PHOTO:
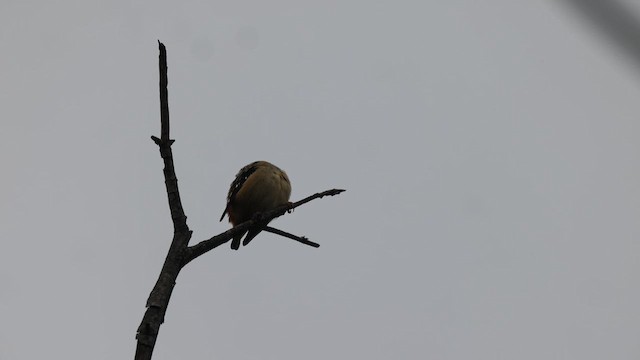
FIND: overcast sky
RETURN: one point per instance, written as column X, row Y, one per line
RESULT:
column 490, row 151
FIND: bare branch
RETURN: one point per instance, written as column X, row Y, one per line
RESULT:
column 179, row 253
column 164, row 94
column 331, row 192
column 202, row 247
column 161, row 293
column 300, row 239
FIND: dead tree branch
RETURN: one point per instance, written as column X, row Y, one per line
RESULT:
column 206, row 245
column 180, row 253
column 300, row 239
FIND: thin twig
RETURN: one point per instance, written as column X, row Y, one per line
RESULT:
column 300, row 239
column 331, row 192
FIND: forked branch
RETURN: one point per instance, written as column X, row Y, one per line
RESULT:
column 180, row 253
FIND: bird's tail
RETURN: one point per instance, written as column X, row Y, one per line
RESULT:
column 235, row 243
column 250, row 235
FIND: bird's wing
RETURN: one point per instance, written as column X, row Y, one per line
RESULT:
column 237, row 183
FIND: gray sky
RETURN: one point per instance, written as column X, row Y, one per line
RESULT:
column 490, row 151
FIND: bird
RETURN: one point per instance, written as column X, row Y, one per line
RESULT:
column 258, row 187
